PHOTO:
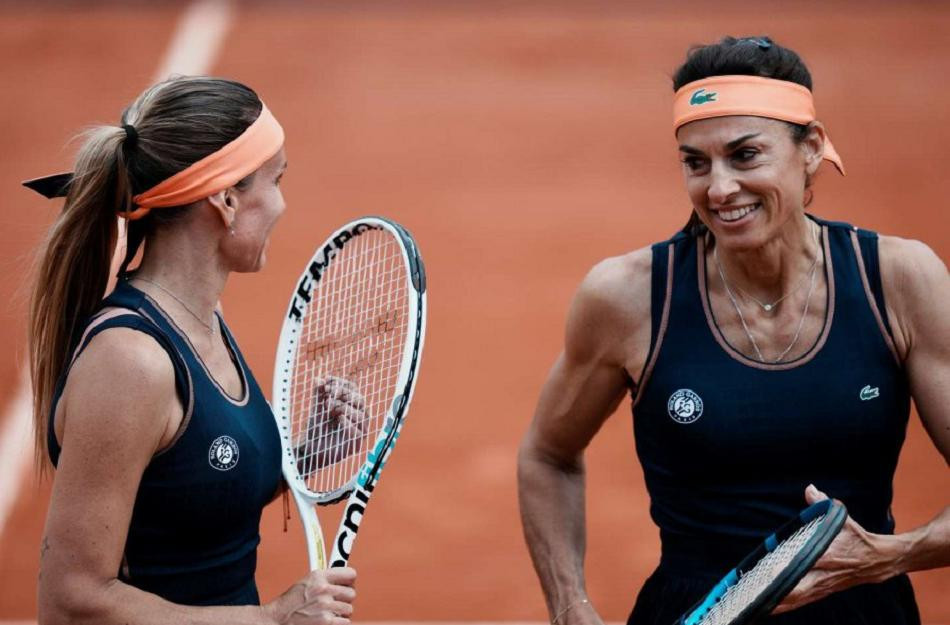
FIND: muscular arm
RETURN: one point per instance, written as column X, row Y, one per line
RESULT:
column 118, row 409
column 917, row 295
column 607, row 332
column 917, row 292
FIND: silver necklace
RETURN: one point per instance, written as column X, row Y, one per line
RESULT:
column 770, row 307
column 745, row 326
column 210, row 327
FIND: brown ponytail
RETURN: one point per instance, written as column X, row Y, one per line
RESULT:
column 177, row 122
column 74, row 264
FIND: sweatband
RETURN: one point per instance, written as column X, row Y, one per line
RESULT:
column 719, row 96
column 217, row 171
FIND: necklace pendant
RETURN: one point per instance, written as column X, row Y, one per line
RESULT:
column 767, row 307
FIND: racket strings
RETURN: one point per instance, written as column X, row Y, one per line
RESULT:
column 350, row 349
column 753, row 583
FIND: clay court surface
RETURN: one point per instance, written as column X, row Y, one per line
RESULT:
column 520, row 143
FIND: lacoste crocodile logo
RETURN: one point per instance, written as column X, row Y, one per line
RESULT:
column 702, row 98
column 869, row 392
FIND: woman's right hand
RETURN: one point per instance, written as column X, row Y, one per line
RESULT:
column 320, row 598
column 337, row 427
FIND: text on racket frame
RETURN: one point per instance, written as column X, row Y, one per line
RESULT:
column 320, row 264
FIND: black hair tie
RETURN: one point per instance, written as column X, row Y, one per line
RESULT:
column 131, row 136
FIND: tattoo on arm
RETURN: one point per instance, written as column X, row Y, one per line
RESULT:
column 44, row 547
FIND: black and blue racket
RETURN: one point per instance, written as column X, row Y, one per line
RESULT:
column 753, row 589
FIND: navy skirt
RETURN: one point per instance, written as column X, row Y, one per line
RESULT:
column 666, row 596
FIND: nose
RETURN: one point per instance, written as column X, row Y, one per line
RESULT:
column 722, row 184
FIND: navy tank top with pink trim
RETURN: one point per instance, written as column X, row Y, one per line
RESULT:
column 194, row 533
column 728, row 444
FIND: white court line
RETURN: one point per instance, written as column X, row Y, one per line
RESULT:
column 197, row 39
column 193, row 49
column 16, row 444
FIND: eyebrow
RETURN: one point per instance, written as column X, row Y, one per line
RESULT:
column 729, row 146
column 737, row 142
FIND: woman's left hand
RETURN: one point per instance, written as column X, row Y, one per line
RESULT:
column 856, row 556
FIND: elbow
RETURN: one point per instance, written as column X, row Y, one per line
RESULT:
column 72, row 599
column 534, row 455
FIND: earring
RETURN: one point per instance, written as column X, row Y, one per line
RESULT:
column 231, row 231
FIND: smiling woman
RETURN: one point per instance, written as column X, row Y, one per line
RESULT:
column 766, row 350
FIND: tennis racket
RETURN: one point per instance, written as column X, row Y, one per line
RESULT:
column 765, row 576
column 346, row 367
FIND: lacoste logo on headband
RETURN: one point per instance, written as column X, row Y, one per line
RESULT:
column 702, row 98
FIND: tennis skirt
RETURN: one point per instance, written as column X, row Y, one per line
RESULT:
column 666, row 596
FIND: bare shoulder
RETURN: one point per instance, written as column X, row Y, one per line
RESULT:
column 612, row 301
column 910, row 259
column 915, row 283
column 619, row 284
column 122, row 385
column 910, row 270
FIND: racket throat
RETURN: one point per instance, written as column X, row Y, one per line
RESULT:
column 350, row 525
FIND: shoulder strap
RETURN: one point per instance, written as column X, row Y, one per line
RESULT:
column 134, row 321
column 660, row 292
column 658, row 284
column 868, row 242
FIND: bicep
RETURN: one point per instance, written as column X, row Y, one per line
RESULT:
column 576, row 399
column 918, row 282
column 118, row 400
column 928, row 369
column 589, row 378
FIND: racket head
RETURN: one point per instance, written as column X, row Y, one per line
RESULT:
column 763, row 578
column 357, row 314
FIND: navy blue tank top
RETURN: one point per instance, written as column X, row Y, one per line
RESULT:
column 728, row 444
column 194, row 530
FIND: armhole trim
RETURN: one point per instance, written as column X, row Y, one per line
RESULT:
column 96, row 322
column 87, row 335
column 141, row 316
column 660, row 332
column 872, row 301
column 189, row 408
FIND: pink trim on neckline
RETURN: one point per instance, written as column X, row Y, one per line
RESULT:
column 737, row 355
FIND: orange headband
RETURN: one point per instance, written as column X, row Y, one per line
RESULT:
column 720, row 96
column 217, row 171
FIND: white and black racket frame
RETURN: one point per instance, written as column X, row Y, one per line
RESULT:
column 359, row 488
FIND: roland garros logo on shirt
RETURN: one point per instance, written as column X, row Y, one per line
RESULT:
column 684, row 406
column 224, row 453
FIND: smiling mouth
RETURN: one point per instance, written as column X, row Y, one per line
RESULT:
column 737, row 213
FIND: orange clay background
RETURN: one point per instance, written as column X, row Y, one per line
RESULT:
column 520, row 143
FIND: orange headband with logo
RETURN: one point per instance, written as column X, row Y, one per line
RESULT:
column 217, row 171
column 720, row 96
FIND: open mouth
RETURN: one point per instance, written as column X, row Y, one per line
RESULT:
column 736, row 214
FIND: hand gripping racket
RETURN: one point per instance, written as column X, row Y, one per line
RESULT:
column 765, row 576
column 346, row 367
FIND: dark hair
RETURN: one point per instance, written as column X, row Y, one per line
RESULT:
column 744, row 56
column 175, row 123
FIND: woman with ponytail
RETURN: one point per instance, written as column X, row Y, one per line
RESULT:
column 164, row 447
